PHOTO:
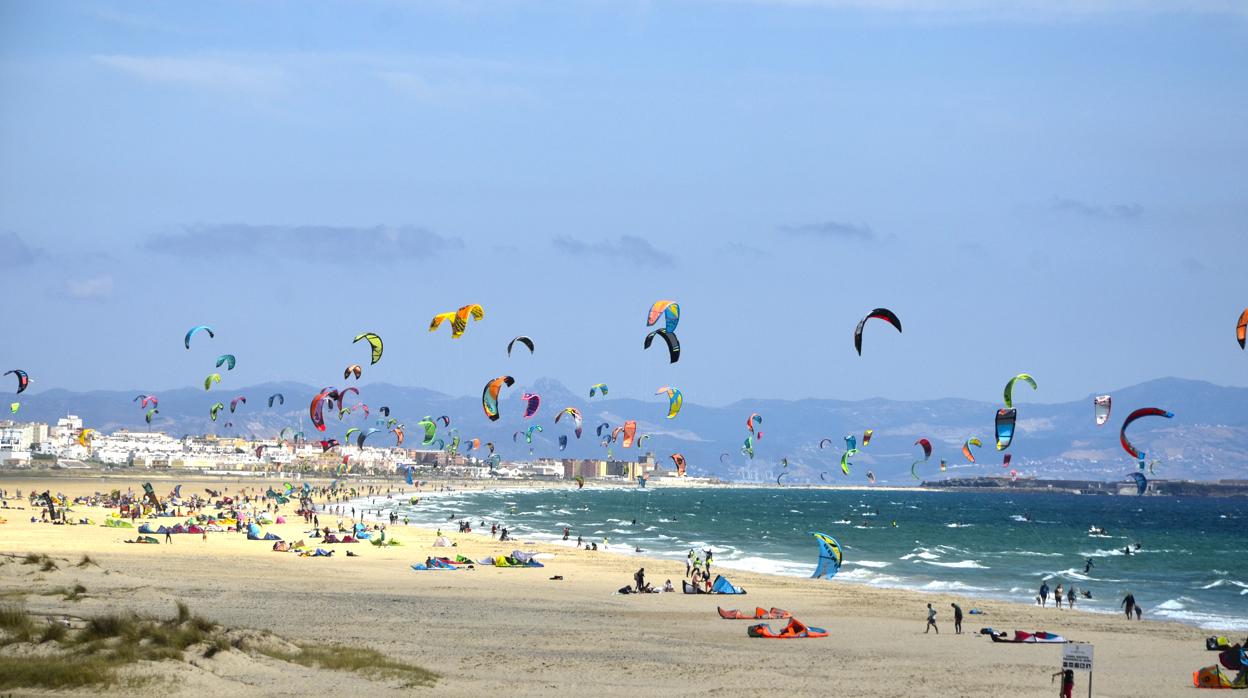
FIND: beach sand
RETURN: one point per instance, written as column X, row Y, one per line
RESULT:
column 517, row 632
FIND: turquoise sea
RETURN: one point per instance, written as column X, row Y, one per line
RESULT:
column 1192, row 564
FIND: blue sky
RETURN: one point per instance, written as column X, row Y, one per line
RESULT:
column 1050, row 187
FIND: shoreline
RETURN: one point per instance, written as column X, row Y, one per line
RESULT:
column 520, row 631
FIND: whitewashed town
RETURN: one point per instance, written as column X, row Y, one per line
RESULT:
column 70, row 444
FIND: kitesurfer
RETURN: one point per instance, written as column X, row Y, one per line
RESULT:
column 957, row 619
column 1087, row 565
column 931, row 620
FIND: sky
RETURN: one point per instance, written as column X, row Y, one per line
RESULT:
column 1050, row 187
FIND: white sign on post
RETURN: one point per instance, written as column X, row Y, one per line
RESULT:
column 1077, row 656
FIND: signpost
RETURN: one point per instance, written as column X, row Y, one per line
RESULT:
column 1077, row 656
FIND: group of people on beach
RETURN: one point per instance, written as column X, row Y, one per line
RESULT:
column 1042, row 598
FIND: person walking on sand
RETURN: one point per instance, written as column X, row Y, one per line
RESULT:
column 1044, row 594
column 1057, row 597
column 931, row 620
column 1128, row 604
column 1070, row 598
column 168, row 538
column 957, row 619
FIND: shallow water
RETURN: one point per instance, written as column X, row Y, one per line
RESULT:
column 1192, row 565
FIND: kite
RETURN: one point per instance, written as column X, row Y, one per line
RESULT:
column 629, row 430
column 398, row 435
column 523, row 340
column 1005, row 427
column 316, row 408
column 866, row 436
column 600, row 387
column 780, row 476
column 532, row 401
column 14, row 407
column 212, row 411
column 145, row 399
column 824, row 443
column 673, row 344
column 1142, row 412
column 431, row 430
column 870, row 477
column 1009, row 387
column 23, row 380
column 679, row 461
column 364, row 435
column 1241, row 329
column 85, row 436
column 1006, row 462
column 927, row 447
column 580, row 481
column 384, row 410
column 347, row 436
column 374, row 341
column 674, row 400
column 331, row 443
column 212, row 378
column 1141, row 482
column 668, row 310
column 528, row 433
column 576, row 418
column 830, row 556
column 878, row 314
column 914, row 469
column 563, row 441
column 850, row 452
column 943, row 465
column 642, row 439
column 725, row 458
column 755, row 419
column 446, row 421
column 281, row 399
column 458, row 319
column 966, row 450
column 747, row 448
column 851, row 442
column 352, row 370
column 1100, row 407
column 489, row 395
column 191, row 333
column 235, row 401
column 226, row 359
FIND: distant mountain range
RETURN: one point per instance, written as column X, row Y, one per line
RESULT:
column 1206, row 440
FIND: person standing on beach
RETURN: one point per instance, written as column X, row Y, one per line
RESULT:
column 689, row 563
column 709, row 554
column 640, row 578
column 957, row 619
column 1128, row 604
column 1070, row 598
column 931, row 620
column 1068, row 682
column 1057, row 597
column 1044, row 593
column 168, row 538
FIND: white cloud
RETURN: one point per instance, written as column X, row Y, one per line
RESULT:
column 199, row 72
column 95, row 289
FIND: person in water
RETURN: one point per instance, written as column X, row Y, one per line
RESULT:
column 1087, row 565
column 1128, row 604
column 1087, row 594
column 957, row 619
column 931, row 620
column 1126, row 550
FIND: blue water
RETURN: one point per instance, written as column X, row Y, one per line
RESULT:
column 1192, row 565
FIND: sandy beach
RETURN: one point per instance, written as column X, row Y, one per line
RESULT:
column 519, row 632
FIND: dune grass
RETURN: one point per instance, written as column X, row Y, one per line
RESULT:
column 92, row 654
column 360, row 660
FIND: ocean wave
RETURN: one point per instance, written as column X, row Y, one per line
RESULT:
column 951, row 586
column 868, row 563
column 961, row 564
column 921, row 554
